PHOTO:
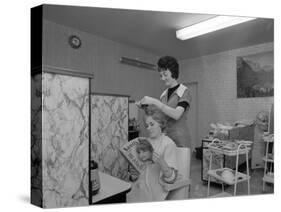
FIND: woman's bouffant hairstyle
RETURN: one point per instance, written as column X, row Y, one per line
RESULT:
column 144, row 145
column 168, row 62
column 157, row 115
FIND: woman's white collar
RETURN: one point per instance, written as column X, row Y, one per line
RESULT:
column 180, row 91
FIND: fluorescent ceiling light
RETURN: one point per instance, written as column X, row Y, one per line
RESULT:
column 210, row 25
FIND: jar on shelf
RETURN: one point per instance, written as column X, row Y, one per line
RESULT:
column 95, row 179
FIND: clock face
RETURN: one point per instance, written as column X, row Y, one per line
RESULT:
column 74, row 41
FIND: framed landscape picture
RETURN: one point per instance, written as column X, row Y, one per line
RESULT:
column 255, row 75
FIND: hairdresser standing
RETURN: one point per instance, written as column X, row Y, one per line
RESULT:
column 174, row 102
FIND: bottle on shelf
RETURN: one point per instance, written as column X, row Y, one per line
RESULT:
column 95, row 180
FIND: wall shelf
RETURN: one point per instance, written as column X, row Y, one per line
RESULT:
column 268, row 159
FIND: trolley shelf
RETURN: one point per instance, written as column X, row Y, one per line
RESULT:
column 229, row 148
column 267, row 159
column 216, row 173
column 268, row 138
column 268, row 178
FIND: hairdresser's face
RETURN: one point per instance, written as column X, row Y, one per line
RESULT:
column 166, row 77
column 144, row 155
column 153, row 127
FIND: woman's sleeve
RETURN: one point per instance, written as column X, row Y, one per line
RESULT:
column 170, row 156
column 186, row 97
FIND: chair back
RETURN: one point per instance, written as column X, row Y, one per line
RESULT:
column 183, row 159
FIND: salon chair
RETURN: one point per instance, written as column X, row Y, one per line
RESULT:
column 181, row 188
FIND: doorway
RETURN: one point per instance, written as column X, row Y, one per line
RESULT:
column 192, row 117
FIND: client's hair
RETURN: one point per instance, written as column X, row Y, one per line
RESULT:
column 156, row 115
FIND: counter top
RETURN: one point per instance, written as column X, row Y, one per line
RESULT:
column 110, row 186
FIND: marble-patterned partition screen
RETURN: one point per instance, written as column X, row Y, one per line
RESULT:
column 109, row 131
column 36, row 140
column 65, row 140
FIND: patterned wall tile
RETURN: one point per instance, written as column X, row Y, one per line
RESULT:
column 65, row 140
column 36, row 140
column 109, row 131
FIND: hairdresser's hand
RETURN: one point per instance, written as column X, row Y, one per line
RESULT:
column 138, row 104
column 147, row 100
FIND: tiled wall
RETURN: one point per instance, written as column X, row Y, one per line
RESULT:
column 36, row 140
column 65, row 140
column 60, row 138
column 109, row 131
column 217, row 97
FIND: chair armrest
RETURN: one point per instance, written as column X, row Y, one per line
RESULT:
column 178, row 184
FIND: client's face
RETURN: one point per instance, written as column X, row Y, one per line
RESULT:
column 144, row 155
column 153, row 127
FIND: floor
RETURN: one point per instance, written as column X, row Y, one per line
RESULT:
column 199, row 188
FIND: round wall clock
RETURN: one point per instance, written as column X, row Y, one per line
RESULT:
column 74, row 41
